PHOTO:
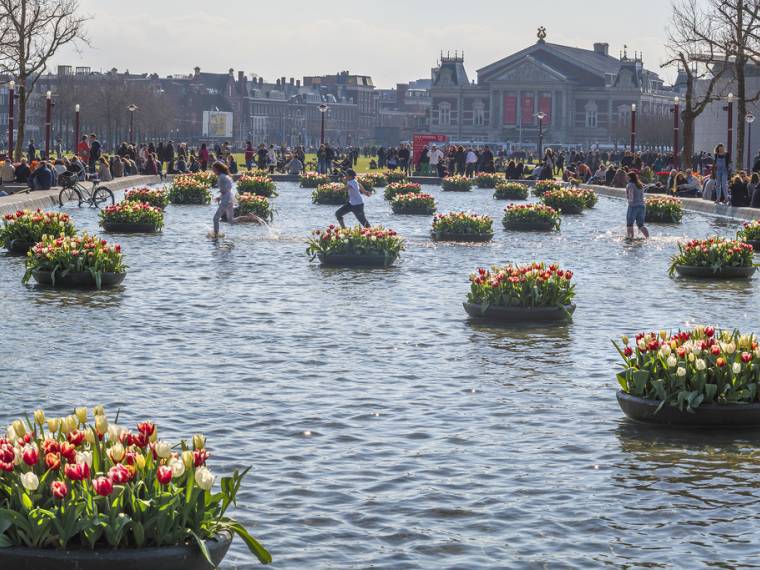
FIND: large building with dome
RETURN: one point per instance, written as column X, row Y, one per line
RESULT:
column 585, row 95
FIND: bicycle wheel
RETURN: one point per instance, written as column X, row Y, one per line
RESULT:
column 101, row 196
column 69, row 195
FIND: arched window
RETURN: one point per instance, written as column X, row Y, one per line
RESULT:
column 444, row 113
column 591, row 115
column 478, row 113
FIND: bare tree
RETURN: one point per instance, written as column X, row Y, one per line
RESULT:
column 32, row 31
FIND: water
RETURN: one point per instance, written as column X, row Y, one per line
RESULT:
column 385, row 430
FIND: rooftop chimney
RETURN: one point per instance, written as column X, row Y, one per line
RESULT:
column 602, row 49
column 261, row 81
column 231, row 72
column 292, row 81
column 241, row 76
column 298, row 82
column 278, row 83
column 197, row 72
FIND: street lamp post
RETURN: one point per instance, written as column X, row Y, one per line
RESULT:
column 323, row 110
column 676, row 128
column 132, row 108
column 541, row 116
column 48, row 119
column 633, row 127
column 76, row 128
column 749, row 118
column 730, row 109
column 11, row 96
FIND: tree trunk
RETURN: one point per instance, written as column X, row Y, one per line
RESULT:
column 742, row 112
column 21, row 119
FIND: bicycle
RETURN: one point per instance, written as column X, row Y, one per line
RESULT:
column 75, row 191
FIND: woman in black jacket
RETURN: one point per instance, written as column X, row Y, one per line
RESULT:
column 739, row 194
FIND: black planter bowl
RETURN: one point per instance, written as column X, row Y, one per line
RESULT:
column 530, row 226
column 356, row 260
column 80, row 280
column 19, row 247
column 415, row 212
column 466, row 238
column 654, row 219
column 456, row 189
column 707, row 415
column 157, row 558
column 520, row 314
column 571, row 210
column 722, row 273
column 117, row 228
column 330, row 202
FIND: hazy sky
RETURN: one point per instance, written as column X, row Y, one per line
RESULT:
column 391, row 40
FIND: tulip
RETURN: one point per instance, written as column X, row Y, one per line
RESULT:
column 164, row 474
column 146, row 428
column 628, row 351
column 39, row 417
column 204, row 478
column 98, row 411
column 75, row 437
column 59, row 489
column 672, row 361
column 102, row 486
column 85, row 457
column 18, row 427
column 746, row 357
column 140, row 461
column 663, row 334
column 54, row 424
column 200, row 457
column 6, row 466
column 715, row 350
column 737, row 368
column 117, row 452
column 163, row 450
column 101, row 425
column 721, row 362
column 76, row 471
column 68, row 451
column 119, row 474
column 31, row 455
column 701, row 364
column 81, row 414
column 90, row 436
column 177, row 467
column 188, row 459
column 11, row 434
column 199, row 441
column 52, row 461
column 681, row 372
column 30, row 481
column 709, row 331
column 114, row 432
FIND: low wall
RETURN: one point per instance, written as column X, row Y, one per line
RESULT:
column 45, row 199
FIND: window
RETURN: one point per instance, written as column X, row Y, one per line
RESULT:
column 591, row 115
column 478, row 113
column 444, row 114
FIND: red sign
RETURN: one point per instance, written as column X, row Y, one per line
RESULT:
column 526, row 115
column 510, row 109
column 545, row 107
column 419, row 142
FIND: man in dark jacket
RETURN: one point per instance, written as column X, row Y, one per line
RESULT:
column 31, row 151
column 95, row 152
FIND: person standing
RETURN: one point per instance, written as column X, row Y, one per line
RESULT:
column 203, row 156
column 637, row 209
column 471, row 160
column 355, row 202
column 436, row 161
column 225, row 199
column 95, row 151
column 31, row 151
column 249, row 154
column 720, row 170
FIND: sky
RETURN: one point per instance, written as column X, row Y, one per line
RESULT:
column 393, row 41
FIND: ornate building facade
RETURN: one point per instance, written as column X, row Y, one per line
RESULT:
column 585, row 97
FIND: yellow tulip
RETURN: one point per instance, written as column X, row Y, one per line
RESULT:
column 39, row 417
column 101, row 424
column 81, row 414
column 54, row 424
column 18, row 427
column 199, row 441
column 98, row 411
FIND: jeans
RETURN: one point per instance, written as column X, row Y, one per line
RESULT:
column 721, row 186
column 356, row 209
column 227, row 210
column 636, row 214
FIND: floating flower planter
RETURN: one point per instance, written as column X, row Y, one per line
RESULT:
column 331, row 194
column 85, row 261
column 714, row 258
column 398, row 188
column 487, row 179
column 255, row 204
column 22, row 229
column 699, row 377
column 82, row 493
column 664, row 210
column 565, row 201
column 372, row 180
column 260, row 185
column 132, row 218
column 531, row 218
column 589, row 197
column 456, row 184
column 186, row 190
column 392, row 176
column 314, row 179
column 352, row 247
column 511, row 191
column 463, row 227
column 153, row 197
column 414, row 204
column 543, row 186
column 750, row 233
column 206, row 178
column 529, row 293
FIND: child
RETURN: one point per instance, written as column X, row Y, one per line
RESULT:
column 355, row 201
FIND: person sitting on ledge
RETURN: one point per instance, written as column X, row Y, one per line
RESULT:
column 22, row 172
column 739, row 193
column 753, row 188
column 7, row 172
column 180, row 166
column 621, row 179
column 295, row 166
column 41, row 178
column 687, row 186
column 194, row 165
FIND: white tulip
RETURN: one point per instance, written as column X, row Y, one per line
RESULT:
column 85, row 457
column 163, row 449
column 701, row 364
column 665, row 350
column 737, row 368
column 117, row 452
column 681, row 372
column 114, row 432
column 672, row 361
column 178, row 467
column 30, row 481
column 11, row 434
column 204, row 478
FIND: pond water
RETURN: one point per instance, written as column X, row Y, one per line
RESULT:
column 386, row 430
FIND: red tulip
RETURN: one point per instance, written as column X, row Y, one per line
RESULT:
column 102, row 486
column 31, row 455
column 68, row 451
column 200, row 456
column 746, row 357
column 709, row 332
column 628, row 351
column 75, row 437
column 7, row 454
column 51, row 446
column 59, row 489
column 146, row 428
column 721, row 362
column 119, row 474
column 164, row 474
column 76, row 471
column 52, row 461
column 715, row 350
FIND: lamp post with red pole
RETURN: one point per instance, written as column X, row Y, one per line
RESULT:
column 48, row 119
column 633, row 127
column 749, row 119
column 323, row 109
column 76, row 128
column 676, row 129
column 11, row 101
column 730, row 109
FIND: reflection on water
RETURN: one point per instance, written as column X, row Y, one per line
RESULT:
column 387, row 429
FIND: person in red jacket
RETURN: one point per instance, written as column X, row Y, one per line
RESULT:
column 83, row 150
column 250, row 153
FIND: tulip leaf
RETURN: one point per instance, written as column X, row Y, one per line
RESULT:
column 253, row 545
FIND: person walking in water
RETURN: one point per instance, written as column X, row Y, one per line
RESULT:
column 226, row 199
column 637, row 209
column 720, row 171
column 355, row 202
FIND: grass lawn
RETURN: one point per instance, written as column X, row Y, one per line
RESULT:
column 362, row 165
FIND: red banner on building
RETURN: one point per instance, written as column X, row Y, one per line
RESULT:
column 526, row 114
column 510, row 110
column 419, row 142
column 545, row 107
